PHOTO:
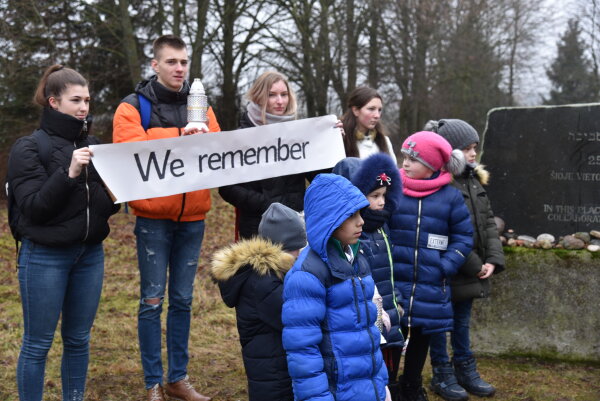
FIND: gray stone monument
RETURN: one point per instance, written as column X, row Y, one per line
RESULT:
column 545, row 167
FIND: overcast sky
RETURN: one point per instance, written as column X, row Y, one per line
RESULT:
column 536, row 83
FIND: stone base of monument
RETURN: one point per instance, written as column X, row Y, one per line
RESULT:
column 544, row 304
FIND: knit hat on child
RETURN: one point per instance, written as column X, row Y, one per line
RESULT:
column 284, row 226
column 458, row 133
column 376, row 171
column 434, row 152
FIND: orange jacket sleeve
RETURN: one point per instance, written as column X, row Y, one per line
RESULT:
column 127, row 124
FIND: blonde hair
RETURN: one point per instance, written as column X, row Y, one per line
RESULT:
column 259, row 92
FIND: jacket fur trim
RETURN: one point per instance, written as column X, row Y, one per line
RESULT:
column 264, row 256
column 482, row 174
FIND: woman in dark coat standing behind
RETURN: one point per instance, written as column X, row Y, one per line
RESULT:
column 63, row 212
column 272, row 100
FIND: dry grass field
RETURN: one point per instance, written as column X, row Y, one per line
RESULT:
column 216, row 368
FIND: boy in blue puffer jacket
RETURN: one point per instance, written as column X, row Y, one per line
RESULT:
column 378, row 179
column 432, row 235
column 328, row 317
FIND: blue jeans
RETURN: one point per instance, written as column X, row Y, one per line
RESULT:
column 166, row 245
column 461, row 346
column 55, row 281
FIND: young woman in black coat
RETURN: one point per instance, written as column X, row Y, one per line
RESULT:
column 63, row 211
column 271, row 100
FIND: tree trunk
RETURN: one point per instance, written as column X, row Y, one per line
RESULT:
column 129, row 43
column 228, row 100
column 373, row 65
column 199, row 44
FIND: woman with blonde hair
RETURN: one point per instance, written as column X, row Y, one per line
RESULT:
column 270, row 100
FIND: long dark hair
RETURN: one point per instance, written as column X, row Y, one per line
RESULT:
column 358, row 98
column 54, row 82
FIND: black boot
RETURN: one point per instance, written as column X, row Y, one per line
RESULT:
column 467, row 376
column 412, row 391
column 395, row 391
column 444, row 383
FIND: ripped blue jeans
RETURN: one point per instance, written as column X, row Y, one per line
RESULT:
column 166, row 250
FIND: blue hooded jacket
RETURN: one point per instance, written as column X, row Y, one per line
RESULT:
column 328, row 316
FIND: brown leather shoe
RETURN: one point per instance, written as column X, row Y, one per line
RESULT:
column 184, row 391
column 156, row 393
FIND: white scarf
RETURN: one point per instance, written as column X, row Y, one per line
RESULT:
column 255, row 115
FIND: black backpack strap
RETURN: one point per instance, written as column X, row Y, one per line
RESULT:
column 44, row 146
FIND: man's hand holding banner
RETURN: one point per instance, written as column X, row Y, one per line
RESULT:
column 162, row 167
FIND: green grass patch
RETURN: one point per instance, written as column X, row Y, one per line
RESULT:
column 216, row 366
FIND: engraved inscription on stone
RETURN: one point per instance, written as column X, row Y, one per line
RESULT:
column 545, row 167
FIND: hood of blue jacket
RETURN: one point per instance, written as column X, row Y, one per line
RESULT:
column 330, row 199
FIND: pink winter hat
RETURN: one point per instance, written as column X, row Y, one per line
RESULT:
column 428, row 148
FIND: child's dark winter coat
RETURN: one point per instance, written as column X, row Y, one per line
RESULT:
column 250, row 276
column 432, row 237
column 375, row 239
column 487, row 247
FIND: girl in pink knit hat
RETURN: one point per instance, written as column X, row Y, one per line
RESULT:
column 431, row 234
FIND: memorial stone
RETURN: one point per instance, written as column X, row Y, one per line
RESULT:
column 545, row 167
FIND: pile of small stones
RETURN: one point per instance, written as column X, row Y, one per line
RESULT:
column 581, row 240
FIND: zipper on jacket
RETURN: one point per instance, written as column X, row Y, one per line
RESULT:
column 356, row 299
column 373, row 362
column 87, row 207
column 480, row 244
column 389, row 252
column 182, row 208
column 87, row 189
column 414, row 286
column 183, row 198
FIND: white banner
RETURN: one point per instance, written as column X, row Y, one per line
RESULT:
column 150, row 169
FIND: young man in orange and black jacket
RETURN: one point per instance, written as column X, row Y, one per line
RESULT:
column 169, row 230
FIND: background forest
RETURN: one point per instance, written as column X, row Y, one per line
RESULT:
column 429, row 58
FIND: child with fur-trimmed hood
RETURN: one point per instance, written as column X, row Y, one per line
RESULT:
column 472, row 280
column 250, row 277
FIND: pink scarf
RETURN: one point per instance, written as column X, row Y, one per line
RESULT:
column 422, row 188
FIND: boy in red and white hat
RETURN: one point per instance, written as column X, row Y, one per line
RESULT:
column 432, row 234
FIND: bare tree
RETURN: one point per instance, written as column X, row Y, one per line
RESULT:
column 298, row 44
column 409, row 31
column 468, row 73
column 197, row 30
column 589, row 12
column 233, row 46
column 348, row 24
column 130, row 47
